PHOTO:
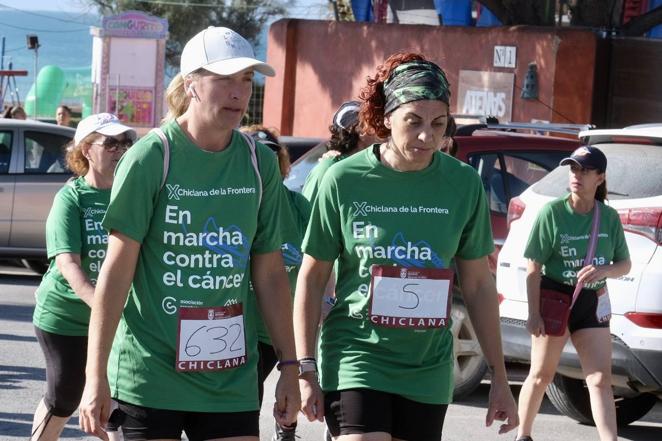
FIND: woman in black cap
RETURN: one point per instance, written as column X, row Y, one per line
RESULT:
column 567, row 229
column 346, row 139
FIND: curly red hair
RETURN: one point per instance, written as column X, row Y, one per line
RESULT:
column 371, row 115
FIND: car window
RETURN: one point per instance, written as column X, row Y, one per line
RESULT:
column 506, row 175
column 44, row 152
column 624, row 163
column 488, row 167
column 5, row 150
column 523, row 170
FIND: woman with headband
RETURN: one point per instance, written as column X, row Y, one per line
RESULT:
column 394, row 216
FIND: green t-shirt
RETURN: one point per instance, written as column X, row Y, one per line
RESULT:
column 314, row 179
column 73, row 226
column 196, row 235
column 559, row 241
column 367, row 213
column 295, row 213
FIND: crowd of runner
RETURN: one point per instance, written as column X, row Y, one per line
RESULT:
column 183, row 270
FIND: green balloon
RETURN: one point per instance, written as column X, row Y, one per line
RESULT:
column 50, row 84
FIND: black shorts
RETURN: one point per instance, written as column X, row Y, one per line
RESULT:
column 582, row 314
column 143, row 423
column 65, row 370
column 357, row 411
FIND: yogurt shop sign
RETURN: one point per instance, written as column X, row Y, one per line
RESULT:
column 486, row 93
column 135, row 24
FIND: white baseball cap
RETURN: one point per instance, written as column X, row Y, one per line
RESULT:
column 104, row 123
column 221, row 51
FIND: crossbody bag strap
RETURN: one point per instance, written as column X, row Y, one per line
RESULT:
column 590, row 252
column 166, row 153
column 251, row 146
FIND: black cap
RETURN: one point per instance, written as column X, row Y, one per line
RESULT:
column 347, row 115
column 266, row 138
column 587, row 157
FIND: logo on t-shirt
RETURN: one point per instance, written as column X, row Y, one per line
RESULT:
column 359, row 208
column 363, row 209
column 91, row 211
column 172, row 191
column 176, row 192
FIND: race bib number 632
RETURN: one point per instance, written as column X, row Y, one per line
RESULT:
column 211, row 339
column 410, row 297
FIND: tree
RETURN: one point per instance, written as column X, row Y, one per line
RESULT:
column 186, row 18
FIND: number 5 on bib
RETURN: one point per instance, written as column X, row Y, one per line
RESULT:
column 416, row 298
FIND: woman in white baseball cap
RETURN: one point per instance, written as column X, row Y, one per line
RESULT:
column 194, row 217
column 76, row 246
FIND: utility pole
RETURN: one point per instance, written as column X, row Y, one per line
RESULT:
column 33, row 44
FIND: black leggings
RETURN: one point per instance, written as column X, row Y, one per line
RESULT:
column 65, row 371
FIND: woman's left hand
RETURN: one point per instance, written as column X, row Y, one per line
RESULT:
column 591, row 273
column 501, row 406
column 288, row 398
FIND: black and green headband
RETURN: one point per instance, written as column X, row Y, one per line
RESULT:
column 414, row 81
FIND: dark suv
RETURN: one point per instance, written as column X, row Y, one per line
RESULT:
column 508, row 162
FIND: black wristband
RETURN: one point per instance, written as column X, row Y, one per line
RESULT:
column 284, row 363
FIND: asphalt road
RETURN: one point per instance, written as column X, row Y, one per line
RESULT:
column 22, row 379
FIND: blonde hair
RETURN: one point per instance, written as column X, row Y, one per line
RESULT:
column 76, row 161
column 176, row 98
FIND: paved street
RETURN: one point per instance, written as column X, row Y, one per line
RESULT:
column 22, row 380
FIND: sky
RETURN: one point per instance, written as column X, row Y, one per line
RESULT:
column 46, row 5
column 302, row 8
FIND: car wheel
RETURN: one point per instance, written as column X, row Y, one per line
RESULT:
column 37, row 265
column 469, row 364
column 570, row 397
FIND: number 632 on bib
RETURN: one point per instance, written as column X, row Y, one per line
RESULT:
column 211, row 339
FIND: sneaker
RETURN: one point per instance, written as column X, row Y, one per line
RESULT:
column 284, row 433
column 524, row 438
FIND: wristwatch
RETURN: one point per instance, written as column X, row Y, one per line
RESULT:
column 307, row 366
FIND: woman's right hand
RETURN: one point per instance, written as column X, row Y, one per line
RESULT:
column 535, row 325
column 95, row 407
column 312, row 397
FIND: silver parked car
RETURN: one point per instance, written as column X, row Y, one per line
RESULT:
column 32, row 170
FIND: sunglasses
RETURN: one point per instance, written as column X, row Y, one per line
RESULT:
column 113, row 145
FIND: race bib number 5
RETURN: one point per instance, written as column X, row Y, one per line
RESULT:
column 410, row 297
column 211, row 339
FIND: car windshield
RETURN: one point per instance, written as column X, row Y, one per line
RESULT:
column 303, row 166
column 625, row 162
